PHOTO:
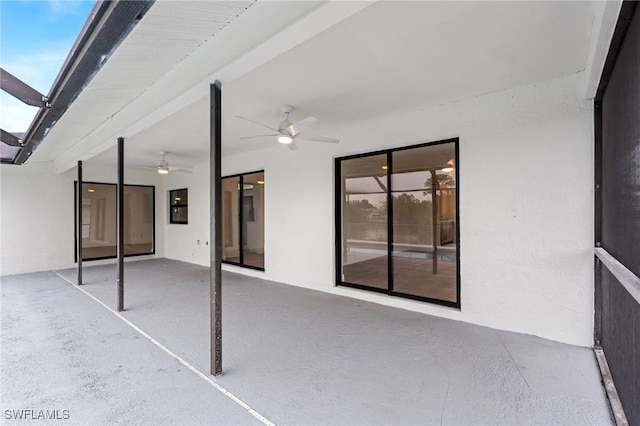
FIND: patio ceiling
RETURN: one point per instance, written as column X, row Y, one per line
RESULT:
column 342, row 62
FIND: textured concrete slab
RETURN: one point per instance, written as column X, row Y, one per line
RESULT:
column 64, row 355
column 304, row 357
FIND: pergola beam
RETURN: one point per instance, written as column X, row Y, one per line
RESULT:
column 9, row 138
column 21, row 90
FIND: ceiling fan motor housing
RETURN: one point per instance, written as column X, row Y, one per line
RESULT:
column 286, row 110
column 283, row 125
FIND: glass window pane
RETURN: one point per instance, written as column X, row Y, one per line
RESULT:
column 178, row 206
column 138, row 229
column 179, row 197
column 98, row 220
column 424, row 222
column 179, row 215
column 364, row 221
column 230, row 213
column 253, row 220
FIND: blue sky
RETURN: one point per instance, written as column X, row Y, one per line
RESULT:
column 35, row 38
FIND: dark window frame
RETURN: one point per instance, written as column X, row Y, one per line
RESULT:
column 75, row 221
column 338, row 224
column 240, row 218
column 185, row 205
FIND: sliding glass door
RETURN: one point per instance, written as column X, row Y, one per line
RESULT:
column 397, row 222
column 243, row 220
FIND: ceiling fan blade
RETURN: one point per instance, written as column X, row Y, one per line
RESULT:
column 255, row 122
column 144, row 167
column 292, row 146
column 259, row 136
column 297, row 127
column 178, row 169
column 304, row 136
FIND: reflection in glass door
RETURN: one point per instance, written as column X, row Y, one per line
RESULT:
column 364, row 221
column 424, row 218
column 400, row 205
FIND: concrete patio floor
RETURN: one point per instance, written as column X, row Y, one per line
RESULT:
column 295, row 356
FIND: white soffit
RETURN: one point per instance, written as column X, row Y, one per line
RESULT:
column 262, row 32
column 168, row 33
column 376, row 60
column 389, row 57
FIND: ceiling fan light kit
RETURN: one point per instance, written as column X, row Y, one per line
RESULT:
column 285, row 139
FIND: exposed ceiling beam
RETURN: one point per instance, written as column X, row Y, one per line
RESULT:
column 226, row 63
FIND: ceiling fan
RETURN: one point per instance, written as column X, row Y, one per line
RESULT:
column 288, row 133
column 163, row 166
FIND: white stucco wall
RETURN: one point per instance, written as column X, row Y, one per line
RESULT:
column 37, row 217
column 526, row 207
column 188, row 242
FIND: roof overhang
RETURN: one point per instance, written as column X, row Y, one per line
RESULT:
column 107, row 26
column 340, row 61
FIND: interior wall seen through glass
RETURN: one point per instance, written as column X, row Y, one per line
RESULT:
column 99, row 225
column 243, row 220
column 230, row 219
column 253, row 220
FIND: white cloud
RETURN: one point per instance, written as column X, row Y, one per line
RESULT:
column 16, row 116
column 63, row 7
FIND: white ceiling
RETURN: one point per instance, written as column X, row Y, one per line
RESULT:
column 387, row 57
